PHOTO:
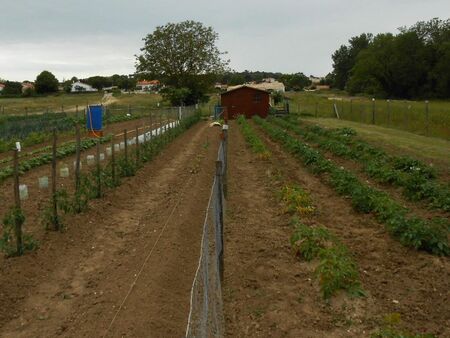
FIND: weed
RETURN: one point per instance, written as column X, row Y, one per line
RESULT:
column 391, row 329
column 296, row 200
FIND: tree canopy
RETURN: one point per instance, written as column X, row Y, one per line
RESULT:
column 46, row 82
column 182, row 55
column 414, row 63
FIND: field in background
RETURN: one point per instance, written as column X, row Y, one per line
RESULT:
column 68, row 102
column 432, row 119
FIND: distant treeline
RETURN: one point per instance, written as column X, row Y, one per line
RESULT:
column 296, row 81
column 415, row 63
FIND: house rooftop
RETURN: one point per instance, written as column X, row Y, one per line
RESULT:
column 231, row 89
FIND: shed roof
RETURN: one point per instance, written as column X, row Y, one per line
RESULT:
column 245, row 86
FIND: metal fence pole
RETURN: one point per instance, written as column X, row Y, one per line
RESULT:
column 219, row 166
column 427, row 118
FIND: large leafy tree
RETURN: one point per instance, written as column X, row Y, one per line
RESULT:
column 46, row 82
column 12, row 88
column 182, row 56
column 345, row 58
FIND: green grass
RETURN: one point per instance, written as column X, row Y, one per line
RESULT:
column 399, row 114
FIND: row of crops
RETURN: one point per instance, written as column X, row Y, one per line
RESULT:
column 87, row 186
column 412, row 231
column 35, row 129
column 417, row 179
column 336, row 269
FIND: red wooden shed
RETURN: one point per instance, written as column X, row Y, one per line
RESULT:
column 246, row 100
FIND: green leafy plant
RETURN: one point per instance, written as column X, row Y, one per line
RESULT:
column 8, row 241
column 307, row 242
column 252, row 139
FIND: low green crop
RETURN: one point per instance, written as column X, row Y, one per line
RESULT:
column 416, row 178
column 257, row 146
column 412, row 231
column 336, row 270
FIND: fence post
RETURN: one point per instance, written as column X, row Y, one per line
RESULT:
column 76, row 112
column 99, row 180
column 137, row 146
column 220, row 202
column 77, row 161
column 373, row 110
column 126, row 145
column 54, row 197
column 316, row 109
column 17, row 224
column 389, row 112
column 151, row 126
column 225, row 156
column 351, row 109
column 113, row 161
column 427, row 118
column 26, row 111
column 160, row 124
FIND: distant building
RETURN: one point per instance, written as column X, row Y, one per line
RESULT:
column 80, row 87
column 315, row 80
column 110, row 89
column 2, row 86
column 27, row 85
column 273, row 86
column 221, row 86
column 147, row 86
column 322, row 87
column 245, row 100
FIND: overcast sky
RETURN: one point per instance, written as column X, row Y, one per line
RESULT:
column 100, row 37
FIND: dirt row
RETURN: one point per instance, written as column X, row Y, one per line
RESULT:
column 269, row 293
column 145, row 233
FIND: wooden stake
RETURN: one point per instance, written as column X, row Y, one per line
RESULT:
column 113, row 162
column 18, row 225
column 99, row 180
column 54, row 197
column 126, row 144
column 137, row 146
column 77, row 160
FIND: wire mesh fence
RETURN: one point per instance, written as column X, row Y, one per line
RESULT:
column 429, row 118
column 206, row 310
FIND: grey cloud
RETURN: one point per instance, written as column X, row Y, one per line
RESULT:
column 101, row 36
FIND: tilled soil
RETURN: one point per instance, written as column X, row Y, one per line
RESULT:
column 269, row 293
column 125, row 267
column 39, row 199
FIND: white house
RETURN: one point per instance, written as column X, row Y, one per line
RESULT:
column 78, row 87
column 147, row 86
column 2, row 86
